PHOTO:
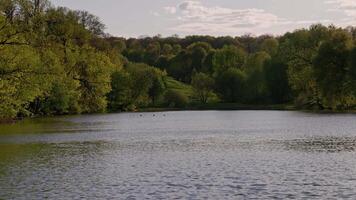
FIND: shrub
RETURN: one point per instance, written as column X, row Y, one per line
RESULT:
column 176, row 99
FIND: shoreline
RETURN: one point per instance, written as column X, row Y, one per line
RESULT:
column 207, row 107
column 221, row 106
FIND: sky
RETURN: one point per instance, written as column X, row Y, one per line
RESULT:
column 137, row 18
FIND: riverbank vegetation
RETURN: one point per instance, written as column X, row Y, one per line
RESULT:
column 56, row 61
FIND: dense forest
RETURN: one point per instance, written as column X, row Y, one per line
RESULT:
column 56, row 61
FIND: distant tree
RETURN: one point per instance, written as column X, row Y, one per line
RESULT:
column 270, row 46
column 120, row 97
column 167, row 49
column 158, row 87
column 276, row 78
column 228, row 57
column 174, row 98
column 331, row 69
column 256, row 78
column 297, row 50
column 91, row 22
column 203, row 86
column 153, row 51
column 231, row 85
column 181, row 67
column 198, row 51
column 208, row 67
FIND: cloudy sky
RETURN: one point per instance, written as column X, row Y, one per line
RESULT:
column 134, row 18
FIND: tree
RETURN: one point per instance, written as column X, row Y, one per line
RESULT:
column 137, row 85
column 208, row 67
column 167, row 49
column 228, row 57
column 180, row 67
column 276, row 78
column 21, row 79
column 90, row 22
column 153, row 51
column 121, row 97
column 174, row 98
column 297, row 51
column 158, row 87
column 203, row 86
column 256, row 79
column 198, row 51
column 270, row 46
column 230, row 84
column 62, row 98
column 331, row 69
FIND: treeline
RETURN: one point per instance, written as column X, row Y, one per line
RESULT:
column 313, row 68
column 58, row 61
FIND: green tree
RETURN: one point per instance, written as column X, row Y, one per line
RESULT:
column 93, row 71
column 22, row 79
column 276, row 78
column 120, row 97
column 331, row 69
column 228, row 57
column 298, row 50
column 256, row 79
column 270, row 46
column 158, row 87
column 203, row 86
column 231, row 85
column 176, row 99
column 181, row 67
column 198, row 51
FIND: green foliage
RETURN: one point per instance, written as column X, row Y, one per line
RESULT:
column 63, row 98
column 270, row 46
column 231, row 85
column 21, row 79
column 172, row 84
column 176, row 99
column 93, row 70
column 157, row 89
column 331, row 69
column 181, row 67
column 203, row 86
column 276, row 78
column 298, row 50
column 256, row 79
column 228, row 57
column 55, row 61
column 121, row 97
column 47, row 64
column 139, row 85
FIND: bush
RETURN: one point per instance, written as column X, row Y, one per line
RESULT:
column 176, row 99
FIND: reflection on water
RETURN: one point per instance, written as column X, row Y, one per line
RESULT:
column 323, row 144
column 182, row 155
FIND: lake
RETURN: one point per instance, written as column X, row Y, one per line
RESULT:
column 181, row 155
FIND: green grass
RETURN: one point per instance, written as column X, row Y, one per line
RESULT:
column 173, row 84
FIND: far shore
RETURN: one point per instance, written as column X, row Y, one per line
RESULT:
column 205, row 107
column 219, row 106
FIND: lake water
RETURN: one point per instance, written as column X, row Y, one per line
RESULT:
column 181, row 155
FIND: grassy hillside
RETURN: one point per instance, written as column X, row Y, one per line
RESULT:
column 173, row 84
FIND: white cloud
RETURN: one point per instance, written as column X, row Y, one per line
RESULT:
column 170, row 9
column 346, row 6
column 195, row 17
column 156, row 14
